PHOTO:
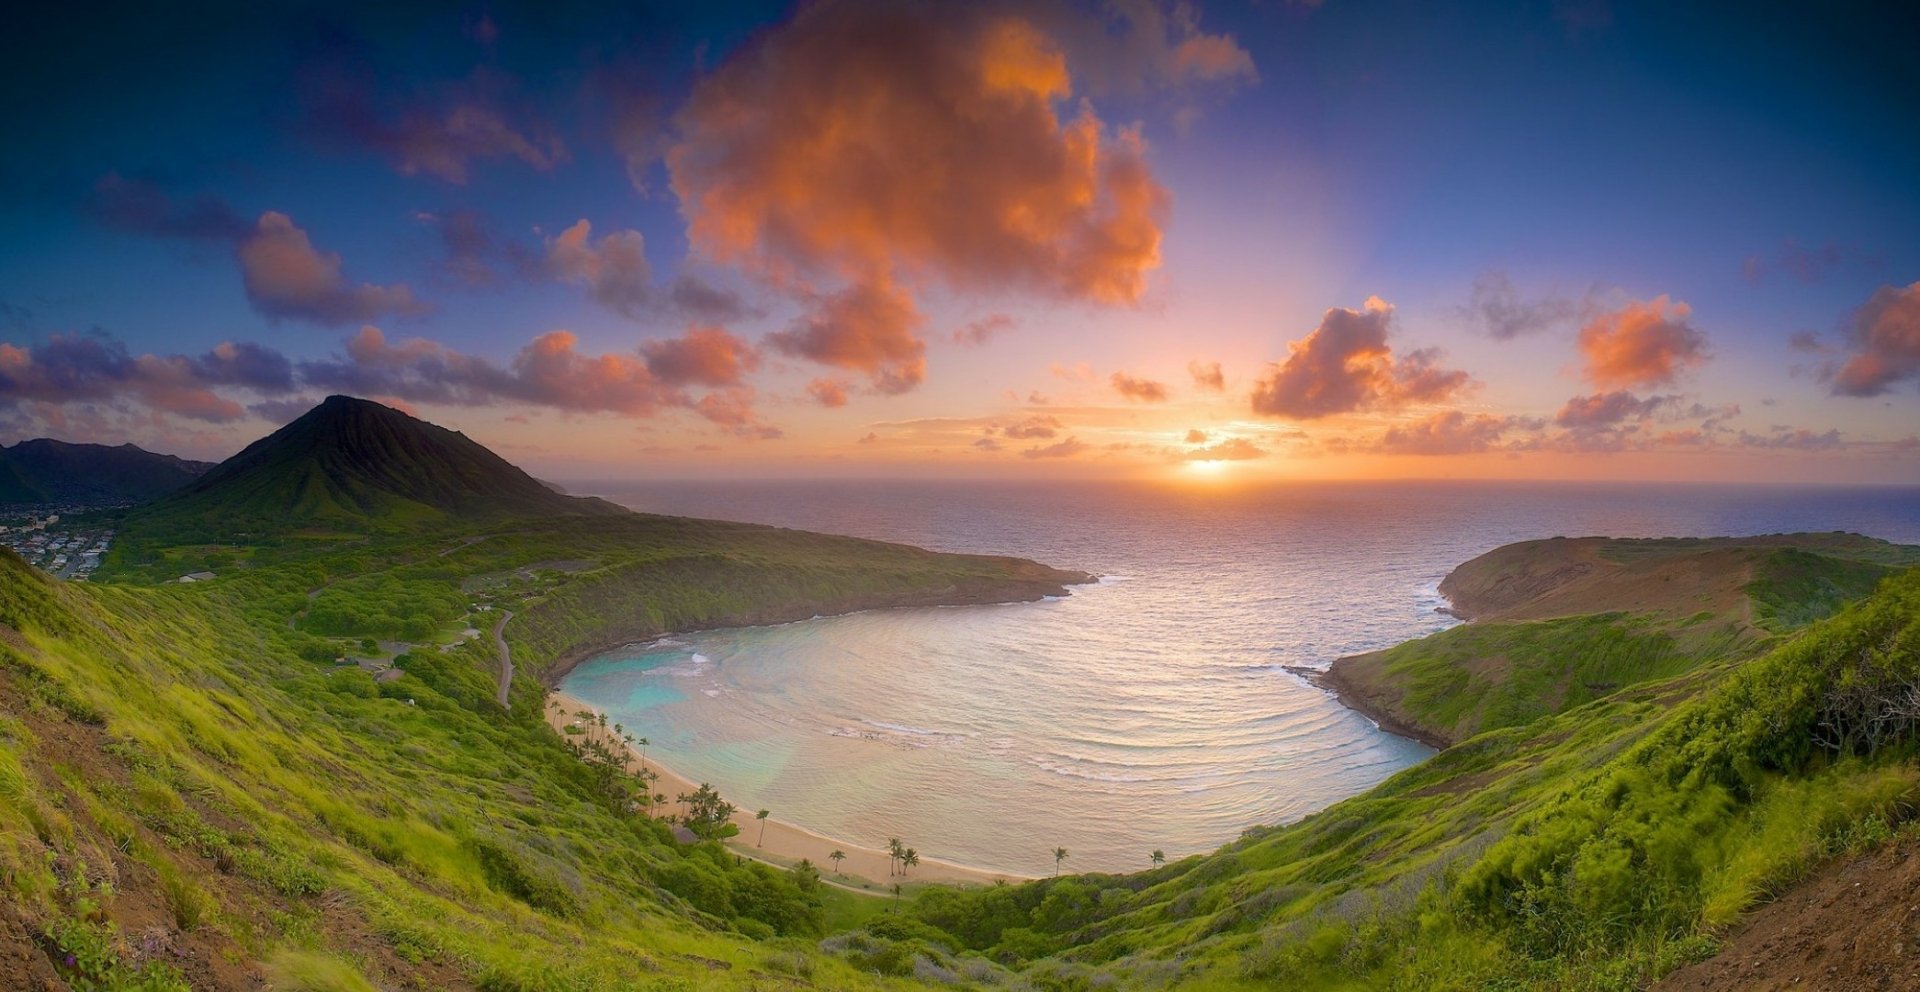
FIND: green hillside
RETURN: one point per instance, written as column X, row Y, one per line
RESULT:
column 299, row 775
column 353, row 466
column 1566, row 622
column 179, row 768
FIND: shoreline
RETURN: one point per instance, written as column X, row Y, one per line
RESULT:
column 864, row 867
column 551, row 675
column 1328, row 680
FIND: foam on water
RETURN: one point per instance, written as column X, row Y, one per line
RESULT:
column 1152, row 709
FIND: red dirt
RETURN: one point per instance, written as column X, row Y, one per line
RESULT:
column 1854, row 926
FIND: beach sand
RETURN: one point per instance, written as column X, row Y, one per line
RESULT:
column 784, row 843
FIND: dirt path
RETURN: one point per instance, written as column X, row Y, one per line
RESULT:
column 1854, row 925
column 506, row 657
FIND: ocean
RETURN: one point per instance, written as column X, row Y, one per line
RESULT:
column 1150, row 711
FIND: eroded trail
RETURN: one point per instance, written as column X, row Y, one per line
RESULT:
column 1852, row 925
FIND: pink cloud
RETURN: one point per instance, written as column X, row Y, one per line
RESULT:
column 1883, row 337
column 1346, row 365
column 286, row 277
column 1645, row 343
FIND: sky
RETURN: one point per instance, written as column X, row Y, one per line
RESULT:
column 1565, row 239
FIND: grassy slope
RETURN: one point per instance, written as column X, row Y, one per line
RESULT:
column 177, row 782
column 245, row 801
column 1566, row 622
column 1592, row 849
column 346, row 466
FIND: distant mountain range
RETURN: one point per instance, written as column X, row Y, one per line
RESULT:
column 355, row 465
column 48, row 471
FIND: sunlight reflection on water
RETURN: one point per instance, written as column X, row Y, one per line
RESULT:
column 1149, row 711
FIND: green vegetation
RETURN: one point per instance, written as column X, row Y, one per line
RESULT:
column 346, row 467
column 1793, row 588
column 1572, row 621
column 165, row 736
column 196, row 793
column 1488, row 676
column 1594, row 849
column 279, row 809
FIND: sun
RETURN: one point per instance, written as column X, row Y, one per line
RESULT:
column 1206, row 468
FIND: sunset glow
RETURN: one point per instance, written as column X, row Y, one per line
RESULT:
column 990, row 240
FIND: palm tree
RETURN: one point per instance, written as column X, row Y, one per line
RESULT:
column 1059, row 855
column 896, row 892
column 762, row 817
column 1159, row 856
column 836, row 857
column 893, row 853
column 908, row 859
column 643, row 742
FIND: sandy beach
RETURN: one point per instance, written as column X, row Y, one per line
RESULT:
column 784, row 843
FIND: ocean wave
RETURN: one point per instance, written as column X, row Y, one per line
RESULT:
column 901, row 728
column 1070, row 771
column 695, row 665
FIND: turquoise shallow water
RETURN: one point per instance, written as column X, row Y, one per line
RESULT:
column 1149, row 711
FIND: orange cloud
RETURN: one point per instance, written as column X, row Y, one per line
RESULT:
column 1065, row 449
column 883, row 148
column 1449, row 432
column 1885, row 338
column 1609, row 409
column 1196, row 436
column 1207, row 376
column 1032, row 428
column 286, row 277
column 87, row 369
column 1645, row 343
column 1346, row 365
column 868, row 327
column 827, row 392
column 1139, row 390
column 983, row 330
column 549, row 371
column 1231, row 450
column 706, row 355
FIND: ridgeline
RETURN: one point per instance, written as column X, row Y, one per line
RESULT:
column 48, row 471
column 297, row 774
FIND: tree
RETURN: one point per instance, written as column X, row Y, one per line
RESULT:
column 762, row 817
column 908, row 859
column 806, row 876
column 707, row 813
column 893, row 853
column 1159, row 856
column 1059, row 855
column 836, row 857
column 643, row 742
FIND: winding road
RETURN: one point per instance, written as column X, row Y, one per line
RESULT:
column 506, row 657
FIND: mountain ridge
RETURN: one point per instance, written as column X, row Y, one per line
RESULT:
column 46, row 470
column 351, row 464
